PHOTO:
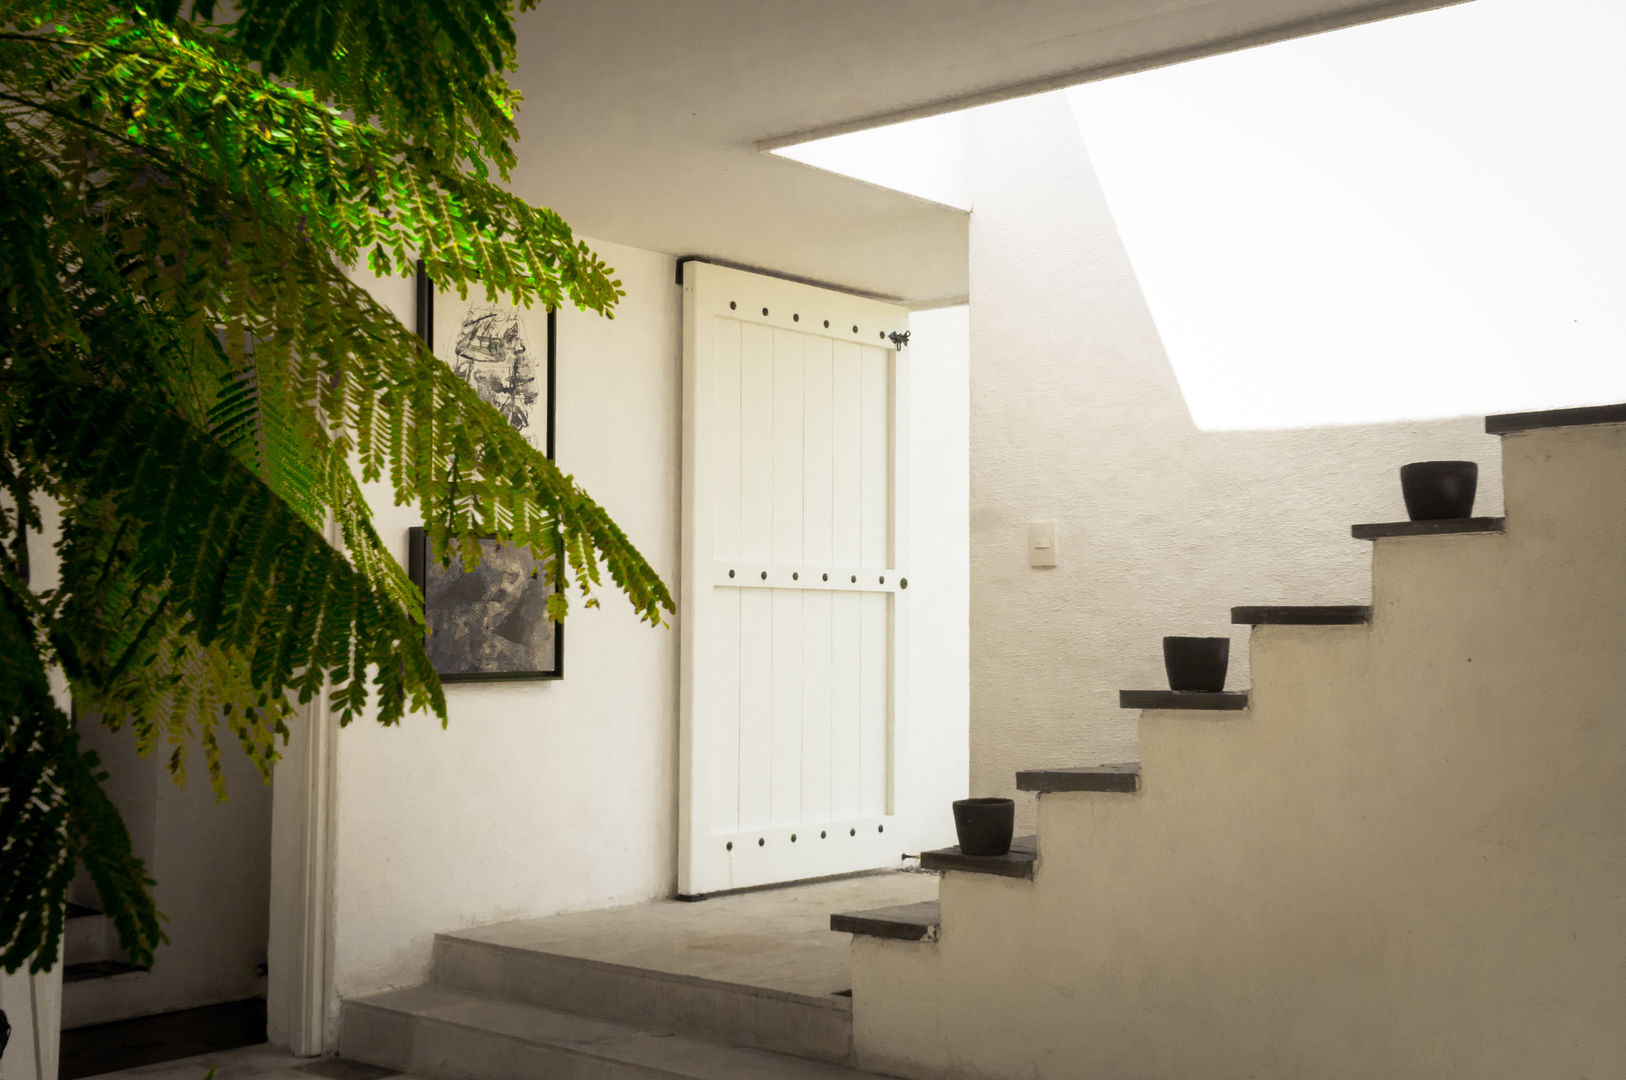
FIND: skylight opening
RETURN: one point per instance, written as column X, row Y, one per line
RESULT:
column 929, row 158
column 1410, row 219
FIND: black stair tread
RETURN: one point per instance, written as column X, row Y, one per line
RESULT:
column 1302, row 615
column 1122, row 777
column 1378, row 530
column 1222, row 700
column 98, row 969
column 1506, row 423
column 901, row 922
column 1017, row 863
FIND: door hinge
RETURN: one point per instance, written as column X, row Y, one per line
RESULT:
column 899, row 340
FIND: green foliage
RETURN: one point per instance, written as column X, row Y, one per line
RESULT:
column 193, row 385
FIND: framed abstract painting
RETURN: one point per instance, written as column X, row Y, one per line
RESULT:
column 490, row 623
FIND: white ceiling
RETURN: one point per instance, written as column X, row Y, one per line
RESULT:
column 645, row 121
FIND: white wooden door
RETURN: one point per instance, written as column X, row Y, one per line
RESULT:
column 794, row 609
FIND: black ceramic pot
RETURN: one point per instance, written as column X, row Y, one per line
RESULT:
column 984, row 825
column 1439, row 489
column 1196, row 663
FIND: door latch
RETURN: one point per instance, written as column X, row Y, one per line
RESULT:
column 899, row 340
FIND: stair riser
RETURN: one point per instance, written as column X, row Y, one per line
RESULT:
column 1550, row 486
column 450, row 1052
column 811, row 1029
column 87, row 939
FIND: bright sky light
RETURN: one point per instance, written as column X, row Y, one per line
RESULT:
column 928, row 158
column 1417, row 218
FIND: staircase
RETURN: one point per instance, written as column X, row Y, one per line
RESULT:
column 735, row 988
column 1401, row 853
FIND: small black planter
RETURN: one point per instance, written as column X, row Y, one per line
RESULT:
column 1196, row 663
column 984, row 825
column 1439, row 489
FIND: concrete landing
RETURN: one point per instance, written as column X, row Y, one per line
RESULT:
column 772, row 939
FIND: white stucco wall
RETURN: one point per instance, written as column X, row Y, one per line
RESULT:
column 553, row 796
column 1077, row 418
column 939, row 586
column 540, row 796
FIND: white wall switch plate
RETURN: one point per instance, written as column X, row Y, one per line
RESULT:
column 1042, row 543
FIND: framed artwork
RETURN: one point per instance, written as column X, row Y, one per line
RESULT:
column 490, row 623
column 506, row 353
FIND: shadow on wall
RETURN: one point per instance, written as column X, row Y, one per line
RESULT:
column 1078, row 419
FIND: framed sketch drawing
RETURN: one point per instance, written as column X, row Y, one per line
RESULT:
column 489, row 623
column 506, row 353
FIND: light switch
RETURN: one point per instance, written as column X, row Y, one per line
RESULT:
column 1042, row 543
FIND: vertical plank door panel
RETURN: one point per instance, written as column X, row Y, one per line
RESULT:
column 817, row 693
column 818, row 455
column 847, row 413
column 787, row 448
column 756, row 708
column 875, row 679
column 786, row 782
column 875, row 449
column 756, row 443
column 725, row 713
column 846, row 706
column 725, row 430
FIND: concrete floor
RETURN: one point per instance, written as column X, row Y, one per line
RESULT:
column 263, row 1062
column 776, row 939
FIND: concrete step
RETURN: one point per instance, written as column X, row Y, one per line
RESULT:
column 446, row 1034
column 817, row 1026
column 88, row 937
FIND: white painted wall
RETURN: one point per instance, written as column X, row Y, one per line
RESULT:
column 212, row 864
column 1077, row 418
column 939, row 584
column 1405, row 859
column 548, row 797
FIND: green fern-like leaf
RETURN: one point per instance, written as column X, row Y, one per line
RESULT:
column 191, row 379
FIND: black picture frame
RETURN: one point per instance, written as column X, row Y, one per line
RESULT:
column 540, row 429
column 485, row 624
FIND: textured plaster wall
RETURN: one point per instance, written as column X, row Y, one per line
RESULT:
column 1076, row 418
column 540, row 796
